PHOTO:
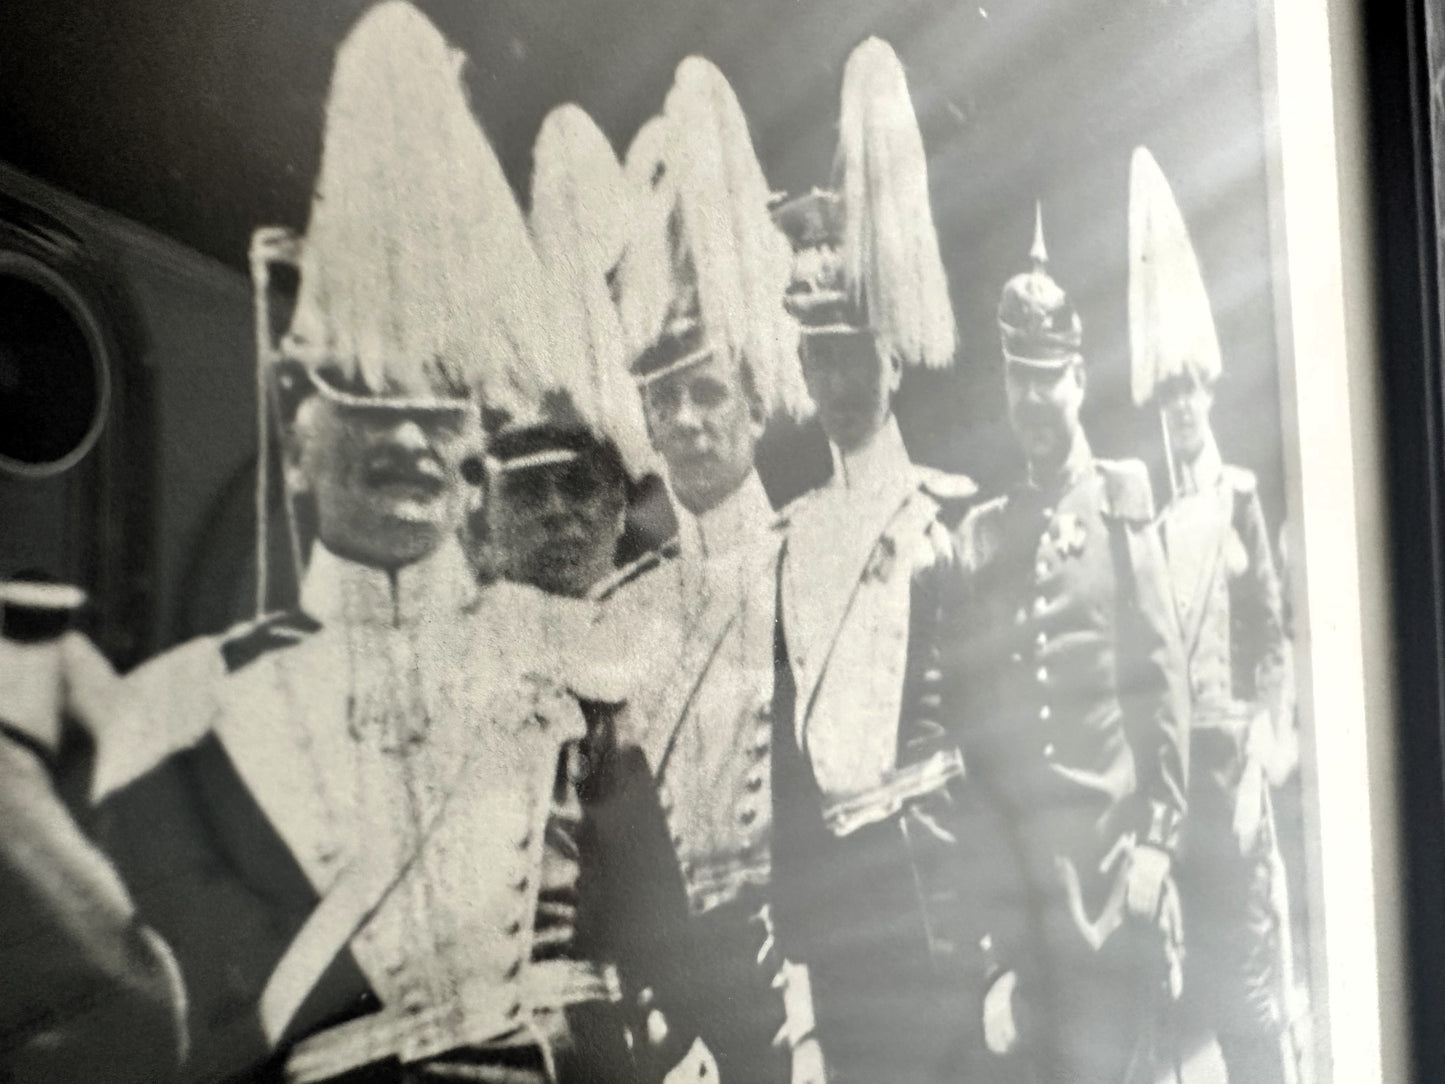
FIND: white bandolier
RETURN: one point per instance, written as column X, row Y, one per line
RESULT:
column 700, row 292
column 868, row 871
column 1238, row 970
column 383, row 830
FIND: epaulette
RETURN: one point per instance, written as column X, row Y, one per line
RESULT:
column 606, row 587
column 1242, row 481
column 1127, row 492
column 981, row 533
column 247, row 643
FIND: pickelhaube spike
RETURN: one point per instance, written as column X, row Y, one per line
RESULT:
column 1037, row 321
column 1039, row 254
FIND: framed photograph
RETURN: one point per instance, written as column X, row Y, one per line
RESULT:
column 763, row 543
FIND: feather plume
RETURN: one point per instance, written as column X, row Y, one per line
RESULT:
column 1171, row 327
column 579, row 218
column 741, row 261
column 418, row 274
column 644, row 281
column 890, row 244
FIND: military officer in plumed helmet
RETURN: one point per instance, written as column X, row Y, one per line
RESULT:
column 385, row 841
column 571, row 449
column 1227, row 593
column 1075, row 715
column 877, row 832
column 700, row 289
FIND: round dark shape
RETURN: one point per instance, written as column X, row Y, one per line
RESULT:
column 54, row 380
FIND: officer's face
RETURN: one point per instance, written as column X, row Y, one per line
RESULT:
column 705, row 424
column 387, row 483
column 1043, row 406
column 556, row 526
column 852, row 384
column 1186, row 404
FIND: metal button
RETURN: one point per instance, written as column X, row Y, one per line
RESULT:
column 1049, row 750
column 930, row 701
column 525, row 841
column 1045, row 714
column 754, row 783
column 514, row 1009
column 514, row 927
column 1021, row 616
column 1040, row 605
column 512, row 970
column 677, row 841
column 1041, row 570
column 522, row 883
column 1042, row 639
column 1041, row 675
column 748, row 815
column 1048, row 513
column 1016, row 657
column 760, row 750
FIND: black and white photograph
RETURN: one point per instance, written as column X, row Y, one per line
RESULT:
column 638, row 543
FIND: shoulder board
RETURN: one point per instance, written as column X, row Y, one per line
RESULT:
column 246, row 643
column 163, row 706
column 606, row 587
column 1126, row 489
column 1242, row 481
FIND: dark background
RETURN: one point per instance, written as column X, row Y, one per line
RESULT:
column 201, row 119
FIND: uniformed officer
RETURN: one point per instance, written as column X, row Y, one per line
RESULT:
column 711, row 354
column 868, row 790
column 90, row 991
column 1227, row 595
column 1076, row 711
column 381, row 837
column 564, row 463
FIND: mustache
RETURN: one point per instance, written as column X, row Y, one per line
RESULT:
column 390, row 466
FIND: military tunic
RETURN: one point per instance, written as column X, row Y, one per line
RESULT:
column 873, row 817
column 1076, row 715
column 389, row 743
column 1227, row 593
column 696, row 621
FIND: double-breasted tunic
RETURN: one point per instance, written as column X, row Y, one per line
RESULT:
column 1075, row 722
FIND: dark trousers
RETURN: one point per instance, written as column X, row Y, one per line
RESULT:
column 737, row 1010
